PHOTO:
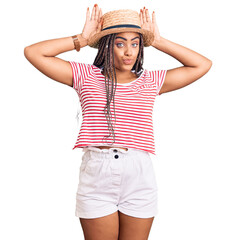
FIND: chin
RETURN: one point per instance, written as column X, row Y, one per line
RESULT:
column 128, row 66
column 125, row 67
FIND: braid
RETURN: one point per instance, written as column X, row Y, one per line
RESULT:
column 105, row 60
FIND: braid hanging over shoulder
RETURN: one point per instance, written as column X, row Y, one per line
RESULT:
column 105, row 61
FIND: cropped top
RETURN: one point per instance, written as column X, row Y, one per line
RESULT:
column 134, row 103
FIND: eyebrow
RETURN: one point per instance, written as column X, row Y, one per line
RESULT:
column 126, row 39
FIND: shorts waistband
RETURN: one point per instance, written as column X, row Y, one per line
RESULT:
column 111, row 152
column 107, row 150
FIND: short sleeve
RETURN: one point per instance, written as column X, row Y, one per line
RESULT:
column 158, row 78
column 80, row 72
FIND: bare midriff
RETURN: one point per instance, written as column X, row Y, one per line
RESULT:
column 101, row 147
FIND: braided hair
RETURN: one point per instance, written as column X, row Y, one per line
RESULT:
column 105, row 60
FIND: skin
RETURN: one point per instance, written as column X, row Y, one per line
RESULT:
column 118, row 225
column 125, row 48
column 42, row 56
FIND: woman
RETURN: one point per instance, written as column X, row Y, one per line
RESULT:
column 117, row 191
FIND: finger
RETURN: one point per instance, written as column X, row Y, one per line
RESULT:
column 144, row 15
column 141, row 16
column 153, row 17
column 93, row 12
column 97, row 14
column 100, row 15
column 147, row 16
column 102, row 22
column 87, row 14
column 100, row 26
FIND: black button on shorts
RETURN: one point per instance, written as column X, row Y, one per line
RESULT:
column 115, row 150
column 116, row 156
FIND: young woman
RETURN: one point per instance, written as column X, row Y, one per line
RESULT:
column 117, row 191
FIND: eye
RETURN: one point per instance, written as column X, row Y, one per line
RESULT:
column 118, row 44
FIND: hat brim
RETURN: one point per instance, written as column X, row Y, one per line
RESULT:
column 148, row 36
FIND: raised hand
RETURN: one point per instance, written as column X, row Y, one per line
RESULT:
column 149, row 25
column 92, row 25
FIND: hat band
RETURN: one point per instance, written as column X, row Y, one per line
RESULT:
column 122, row 26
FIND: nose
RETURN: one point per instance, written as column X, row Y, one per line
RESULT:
column 128, row 51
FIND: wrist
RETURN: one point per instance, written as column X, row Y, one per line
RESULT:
column 156, row 42
column 83, row 41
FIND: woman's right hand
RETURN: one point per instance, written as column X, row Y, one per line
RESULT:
column 92, row 25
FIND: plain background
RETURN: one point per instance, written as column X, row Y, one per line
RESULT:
column 194, row 126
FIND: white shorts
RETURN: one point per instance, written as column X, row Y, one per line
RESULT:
column 115, row 179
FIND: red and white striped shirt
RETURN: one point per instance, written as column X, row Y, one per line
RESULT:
column 134, row 103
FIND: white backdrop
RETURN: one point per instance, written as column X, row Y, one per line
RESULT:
column 194, row 126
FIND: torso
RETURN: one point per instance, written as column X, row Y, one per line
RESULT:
column 131, row 79
column 101, row 147
column 120, row 81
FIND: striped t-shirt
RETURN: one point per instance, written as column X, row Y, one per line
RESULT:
column 134, row 103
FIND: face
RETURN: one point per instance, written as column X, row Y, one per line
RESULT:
column 126, row 48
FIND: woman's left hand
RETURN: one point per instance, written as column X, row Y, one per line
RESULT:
column 149, row 25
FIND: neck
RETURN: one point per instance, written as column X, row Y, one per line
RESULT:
column 124, row 75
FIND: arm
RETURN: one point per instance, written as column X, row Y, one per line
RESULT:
column 195, row 65
column 42, row 55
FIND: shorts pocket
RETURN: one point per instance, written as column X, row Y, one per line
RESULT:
column 92, row 166
column 91, row 163
column 85, row 159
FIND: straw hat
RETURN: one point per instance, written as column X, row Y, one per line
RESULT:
column 124, row 20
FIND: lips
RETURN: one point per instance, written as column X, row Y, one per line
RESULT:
column 127, row 61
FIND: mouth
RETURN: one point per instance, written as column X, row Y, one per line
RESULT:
column 127, row 61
